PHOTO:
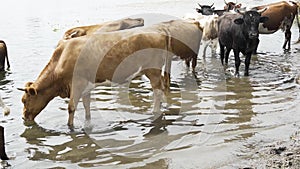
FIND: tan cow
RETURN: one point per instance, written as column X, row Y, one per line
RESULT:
column 115, row 56
column 109, row 26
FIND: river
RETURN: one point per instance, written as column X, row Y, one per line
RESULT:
column 213, row 120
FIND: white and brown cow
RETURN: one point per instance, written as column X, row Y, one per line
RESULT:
column 281, row 16
column 209, row 24
column 115, row 56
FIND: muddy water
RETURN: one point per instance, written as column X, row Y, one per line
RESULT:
column 212, row 119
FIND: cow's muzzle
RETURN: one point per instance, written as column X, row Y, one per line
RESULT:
column 28, row 117
column 253, row 35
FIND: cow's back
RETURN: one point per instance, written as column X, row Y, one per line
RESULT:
column 277, row 13
column 185, row 37
column 225, row 27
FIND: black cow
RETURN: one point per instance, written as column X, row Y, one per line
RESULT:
column 239, row 32
column 3, row 55
column 206, row 9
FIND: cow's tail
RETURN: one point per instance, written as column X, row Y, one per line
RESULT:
column 168, row 62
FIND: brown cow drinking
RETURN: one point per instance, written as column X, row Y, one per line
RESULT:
column 118, row 56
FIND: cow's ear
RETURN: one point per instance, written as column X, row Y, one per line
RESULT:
column 28, row 84
column 263, row 19
column 239, row 21
column 213, row 8
column 31, row 91
column 199, row 10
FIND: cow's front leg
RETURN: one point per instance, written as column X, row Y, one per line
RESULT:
column 247, row 63
column 237, row 62
column 71, row 108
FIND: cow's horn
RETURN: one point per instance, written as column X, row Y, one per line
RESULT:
column 225, row 2
column 240, row 11
column 212, row 5
column 262, row 10
column 22, row 89
column 200, row 5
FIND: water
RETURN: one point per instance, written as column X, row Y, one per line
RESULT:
column 212, row 120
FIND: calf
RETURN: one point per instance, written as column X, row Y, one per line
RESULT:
column 239, row 32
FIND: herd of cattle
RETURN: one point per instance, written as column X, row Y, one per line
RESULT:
column 120, row 50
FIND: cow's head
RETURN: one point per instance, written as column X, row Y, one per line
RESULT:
column 205, row 9
column 231, row 6
column 250, row 21
column 34, row 102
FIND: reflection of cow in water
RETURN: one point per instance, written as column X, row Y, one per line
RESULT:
column 6, row 111
column 3, row 55
column 3, row 155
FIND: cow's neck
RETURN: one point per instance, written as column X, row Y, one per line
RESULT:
column 48, row 80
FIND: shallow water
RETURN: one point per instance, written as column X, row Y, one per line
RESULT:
column 212, row 119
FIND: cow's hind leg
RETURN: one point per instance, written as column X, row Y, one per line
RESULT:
column 155, row 78
column 237, row 62
column 86, row 99
column 287, row 41
column 75, row 95
column 194, row 62
column 227, row 55
column 222, row 52
column 187, row 62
